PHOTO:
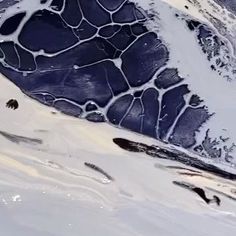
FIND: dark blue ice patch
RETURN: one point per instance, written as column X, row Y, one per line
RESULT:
column 138, row 93
column 9, row 51
column 68, row 108
column 88, row 84
column 27, row 62
column 91, row 107
column 204, row 32
column 43, row 98
column 11, row 24
column 46, row 30
column 85, row 53
column 187, row 125
column 48, row 81
column 167, row 78
column 117, row 54
column 1, row 53
column 104, row 51
column 138, row 29
column 97, row 49
column 49, row 100
column 195, row 100
column 57, row 5
column 114, row 78
column 140, row 14
column 111, row 5
column 151, row 112
column 171, row 105
column 96, row 117
column 133, row 119
column 122, row 39
column 71, row 13
column 85, row 30
column 192, row 24
column 211, row 44
column 94, row 13
column 118, row 109
column 143, row 59
column 109, row 30
column 127, row 14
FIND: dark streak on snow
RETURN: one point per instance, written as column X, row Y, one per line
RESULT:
column 198, row 191
column 221, row 193
column 190, row 174
column 98, row 169
column 20, row 139
column 174, row 155
column 182, row 168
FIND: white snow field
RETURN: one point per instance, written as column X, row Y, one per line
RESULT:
column 47, row 190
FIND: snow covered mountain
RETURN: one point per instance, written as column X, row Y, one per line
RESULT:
column 164, row 69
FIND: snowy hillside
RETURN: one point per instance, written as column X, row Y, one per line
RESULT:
column 155, row 82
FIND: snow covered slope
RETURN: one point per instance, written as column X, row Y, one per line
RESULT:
column 46, row 189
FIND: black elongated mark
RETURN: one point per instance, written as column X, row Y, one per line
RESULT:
column 199, row 191
column 98, row 169
column 174, row 155
column 182, row 168
column 130, row 145
column 20, row 139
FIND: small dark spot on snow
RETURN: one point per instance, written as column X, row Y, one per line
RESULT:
column 13, row 104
